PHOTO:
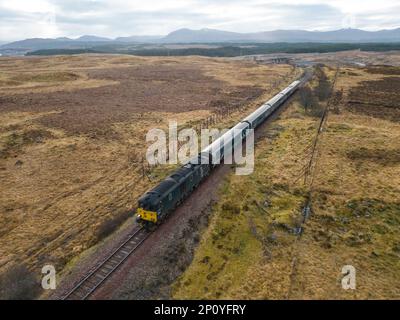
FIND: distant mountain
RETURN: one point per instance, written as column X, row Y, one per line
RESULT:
column 343, row 35
column 140, row 39
column 37, row 43
column 87, row 38
column 205, row 36
column 59, row 43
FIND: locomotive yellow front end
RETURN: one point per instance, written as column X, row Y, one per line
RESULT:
column 144, row 215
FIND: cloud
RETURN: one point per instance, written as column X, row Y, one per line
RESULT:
column 51, row 18
column 264, row 17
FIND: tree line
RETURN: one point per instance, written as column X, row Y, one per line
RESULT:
column 231, row 50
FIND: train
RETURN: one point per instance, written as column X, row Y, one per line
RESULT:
column 155, row 205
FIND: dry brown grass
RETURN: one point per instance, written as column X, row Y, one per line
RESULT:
column 349, row 57
column 90, row 99
column 249, row 250
column 61, row 187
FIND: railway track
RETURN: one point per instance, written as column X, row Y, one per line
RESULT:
column 94, row 279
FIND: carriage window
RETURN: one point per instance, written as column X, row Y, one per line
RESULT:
column 170, row 197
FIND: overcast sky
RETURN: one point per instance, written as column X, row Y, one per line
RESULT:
column 20, row 19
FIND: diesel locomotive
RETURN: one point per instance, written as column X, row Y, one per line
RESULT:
column 155, row 205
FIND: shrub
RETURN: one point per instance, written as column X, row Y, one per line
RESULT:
column 310, row 103
column 109, row 226
column 323, row 89
column 18, row 283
